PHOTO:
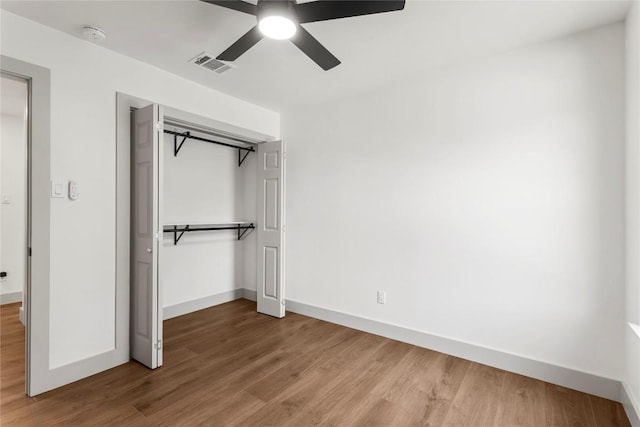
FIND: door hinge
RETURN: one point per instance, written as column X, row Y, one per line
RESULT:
column 159, row 345
column 158, row 126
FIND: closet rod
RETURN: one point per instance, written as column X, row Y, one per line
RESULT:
column 187, row 135
column 242, row 229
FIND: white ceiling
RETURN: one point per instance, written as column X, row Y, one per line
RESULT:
column 373, row 49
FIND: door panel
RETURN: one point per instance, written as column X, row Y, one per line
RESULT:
column 271, row 272
column 270, row 228
column 142, row 300
column 271, row 214
column 144, row 182
column 146, row 309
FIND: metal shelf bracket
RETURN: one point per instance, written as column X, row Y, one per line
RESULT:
column 176, row 147
column 176, row 237
column 241, row 158
column 242, row 232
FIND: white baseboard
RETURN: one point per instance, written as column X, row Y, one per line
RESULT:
column 566, row 377
column 202, row 303
column 631, row 406
column 249, row 294
column 10, row 297
column 22, row 318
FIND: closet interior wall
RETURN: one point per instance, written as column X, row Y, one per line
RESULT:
column 204, row 184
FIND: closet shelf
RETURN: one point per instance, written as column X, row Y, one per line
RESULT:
column 187, row 135
column 178, row 230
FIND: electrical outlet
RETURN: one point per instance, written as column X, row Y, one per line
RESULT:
column 382, row 297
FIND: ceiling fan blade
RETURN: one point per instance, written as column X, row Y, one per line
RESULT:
column 238, row 5
column 324, row 10
column 243, row 44
column 314, row 50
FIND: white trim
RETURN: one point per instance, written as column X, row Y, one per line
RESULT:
column 631, row 405
column 200, row 304
column 198, row 123
column 635, row 328
column 10, row 297
column 23, row 319
column 38, row 376
column 249, row 294
column 566, row 377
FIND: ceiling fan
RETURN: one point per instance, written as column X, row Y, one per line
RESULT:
column 281, row 19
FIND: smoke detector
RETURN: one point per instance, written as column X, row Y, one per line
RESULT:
column 94, row 34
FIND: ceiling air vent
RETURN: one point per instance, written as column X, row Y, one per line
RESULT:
column 209, row 62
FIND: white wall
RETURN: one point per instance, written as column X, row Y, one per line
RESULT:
column 486, row 199
column 632, row 354
column 204, row 184
column 84, row 81
column 13, row 179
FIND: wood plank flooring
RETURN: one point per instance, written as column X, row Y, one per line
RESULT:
column 228, row 365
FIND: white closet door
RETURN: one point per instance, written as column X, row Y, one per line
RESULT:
column 146, row 309
column 270, row 228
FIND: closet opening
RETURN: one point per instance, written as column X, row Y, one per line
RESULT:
column 207, row 221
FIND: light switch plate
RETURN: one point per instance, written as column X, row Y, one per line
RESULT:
column 57, row 190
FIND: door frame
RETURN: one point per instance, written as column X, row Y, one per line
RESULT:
column 38, row 376
column 125, row 103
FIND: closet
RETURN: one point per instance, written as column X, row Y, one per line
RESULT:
column 207, row 212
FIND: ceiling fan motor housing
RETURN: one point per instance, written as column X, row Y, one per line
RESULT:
column 284, row 8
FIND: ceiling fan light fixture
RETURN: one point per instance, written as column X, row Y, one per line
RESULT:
column 277, row 19
column 277, row 27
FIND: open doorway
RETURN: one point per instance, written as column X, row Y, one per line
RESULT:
column 14, row 222
column 33, row 372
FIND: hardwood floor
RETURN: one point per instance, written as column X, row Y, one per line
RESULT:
column 228, row 365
